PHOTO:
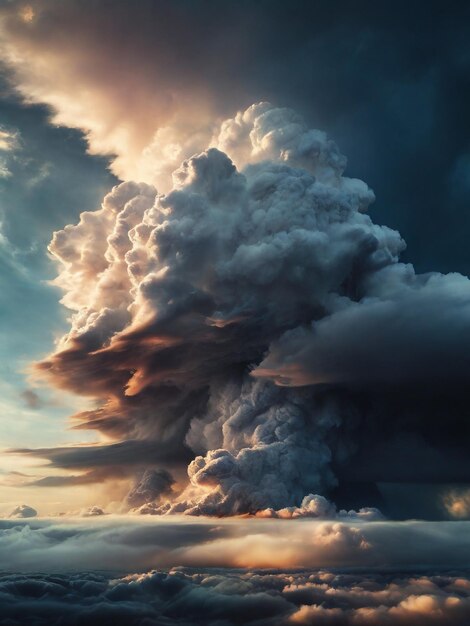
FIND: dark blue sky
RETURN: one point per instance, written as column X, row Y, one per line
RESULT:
column 50, row 180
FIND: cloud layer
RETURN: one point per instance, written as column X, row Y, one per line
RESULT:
column 390, row 591
column 138, row 543
column 232, row 597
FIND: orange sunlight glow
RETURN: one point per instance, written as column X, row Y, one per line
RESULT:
column 27, row 13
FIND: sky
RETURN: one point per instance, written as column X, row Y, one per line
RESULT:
column 116, row 102
column 234, row 285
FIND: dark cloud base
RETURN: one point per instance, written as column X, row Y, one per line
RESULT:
column 224, row 597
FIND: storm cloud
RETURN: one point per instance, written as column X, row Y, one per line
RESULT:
column 230, row 320
column 178, row 296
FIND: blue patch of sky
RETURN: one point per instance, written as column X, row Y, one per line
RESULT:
column 46, row 180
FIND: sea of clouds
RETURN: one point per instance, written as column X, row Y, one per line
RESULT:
column 145, row 571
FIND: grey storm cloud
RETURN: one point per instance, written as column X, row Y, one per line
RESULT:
column 408, row 329
column 188, row 308
column 153, row 485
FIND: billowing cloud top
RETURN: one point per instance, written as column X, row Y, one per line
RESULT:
column 218, row 322
column 23, row 511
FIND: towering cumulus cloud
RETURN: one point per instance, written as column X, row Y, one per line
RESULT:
column 216, row 323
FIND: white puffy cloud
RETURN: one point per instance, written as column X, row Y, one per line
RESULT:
column 92, row 511
column 23, row 510
column 318, row 507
